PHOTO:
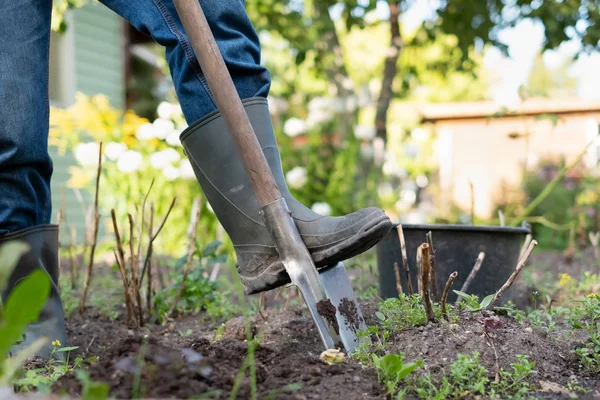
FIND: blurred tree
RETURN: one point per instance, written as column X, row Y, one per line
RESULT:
column 308, row 27
column 550, row 82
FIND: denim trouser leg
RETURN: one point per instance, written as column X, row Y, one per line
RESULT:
column 25, row 166
column 235, row 37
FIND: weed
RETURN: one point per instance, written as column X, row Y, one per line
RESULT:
column 405, row 312
column 589, row 319
column 468, row 378
column 471, row 301
column 391, row 370
column 199, row 292
column 513, row 383
column 41, row 379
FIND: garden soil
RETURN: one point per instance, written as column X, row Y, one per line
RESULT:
column 170, row 362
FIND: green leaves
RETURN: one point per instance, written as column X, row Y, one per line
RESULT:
column 391, row 369
column 22, row 308
column 472, row 303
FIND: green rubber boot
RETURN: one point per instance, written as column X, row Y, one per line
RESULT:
column 42, row 254
column 224, row 181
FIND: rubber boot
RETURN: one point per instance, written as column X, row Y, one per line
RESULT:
column 42, row 254
column 223, row 179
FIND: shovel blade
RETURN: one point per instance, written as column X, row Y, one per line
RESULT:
column 339, row 291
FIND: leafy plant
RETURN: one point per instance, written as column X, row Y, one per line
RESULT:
column 391, row 370
column 513, row 383
column 23, row 306
column 200, row 293
column 471, row 302
column 589, row 352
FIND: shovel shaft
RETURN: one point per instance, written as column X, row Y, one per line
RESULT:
column 227, row 100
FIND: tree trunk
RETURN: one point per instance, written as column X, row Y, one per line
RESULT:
column 390, row 70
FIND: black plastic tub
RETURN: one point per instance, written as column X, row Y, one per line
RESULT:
column 457, row 248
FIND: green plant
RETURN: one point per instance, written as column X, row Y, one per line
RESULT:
column 41, row 379
column 405, row 312
column 513, row 383
column 589, row 314
column 22, row 307
column 391, row 369
column 200, row 293
column 471, row 302
column 91, row 390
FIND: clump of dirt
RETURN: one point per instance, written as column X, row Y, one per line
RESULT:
column 327, row 310
column 349, row 311
column 160, row 362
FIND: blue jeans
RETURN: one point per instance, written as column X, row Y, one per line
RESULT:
column 25, row 165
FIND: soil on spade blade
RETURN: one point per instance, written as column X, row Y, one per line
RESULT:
column 167, row 364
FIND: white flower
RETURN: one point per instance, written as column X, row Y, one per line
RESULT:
column 171, row 173
column 165, row 110
column 162, row 127
column 186, row 170
column 364, row 132
column 296, row 177
column 129, row 161
column 318, row 116
column 322, row 209
column 87, row 153
column 419, row 134
column 114, row 150
column 422, row 181
column 294, row 127
column 173, row 138
column 145, row 132
column 164, row 158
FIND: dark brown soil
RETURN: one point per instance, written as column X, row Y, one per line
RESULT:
column 169, row 365
column 327, row 310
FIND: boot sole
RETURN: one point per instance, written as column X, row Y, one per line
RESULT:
column 275, row 275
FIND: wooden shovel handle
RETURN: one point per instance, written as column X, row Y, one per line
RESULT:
column 228, row 101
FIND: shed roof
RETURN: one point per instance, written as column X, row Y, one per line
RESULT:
column 435, row 112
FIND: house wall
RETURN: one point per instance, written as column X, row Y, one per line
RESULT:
column 89, row 59
column 481, row 151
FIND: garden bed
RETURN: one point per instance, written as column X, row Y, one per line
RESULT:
column 189, row 358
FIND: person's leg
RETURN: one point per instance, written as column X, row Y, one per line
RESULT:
column 212, row 153
column 25, row 165
column 234, row 33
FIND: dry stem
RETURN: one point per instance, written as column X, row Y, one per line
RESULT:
column 59, row 218
column 525, row 245
column 153, row 238
column 473, row 272
column 134, row 278
column 88, row 276
column 425, row 282
column 397, row 273
column 497, row 359
column 188, row 265
column 73, row 268
column 409, row 288
column 149, row 257
column 419, row 269
column 521, row 264
column 120, row 257
column 434, row 284
column 449, row 283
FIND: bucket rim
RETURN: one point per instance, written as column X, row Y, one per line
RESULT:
column 462, row 228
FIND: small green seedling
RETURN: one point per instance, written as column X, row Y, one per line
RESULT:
column 391, row 370
column 471, row 301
